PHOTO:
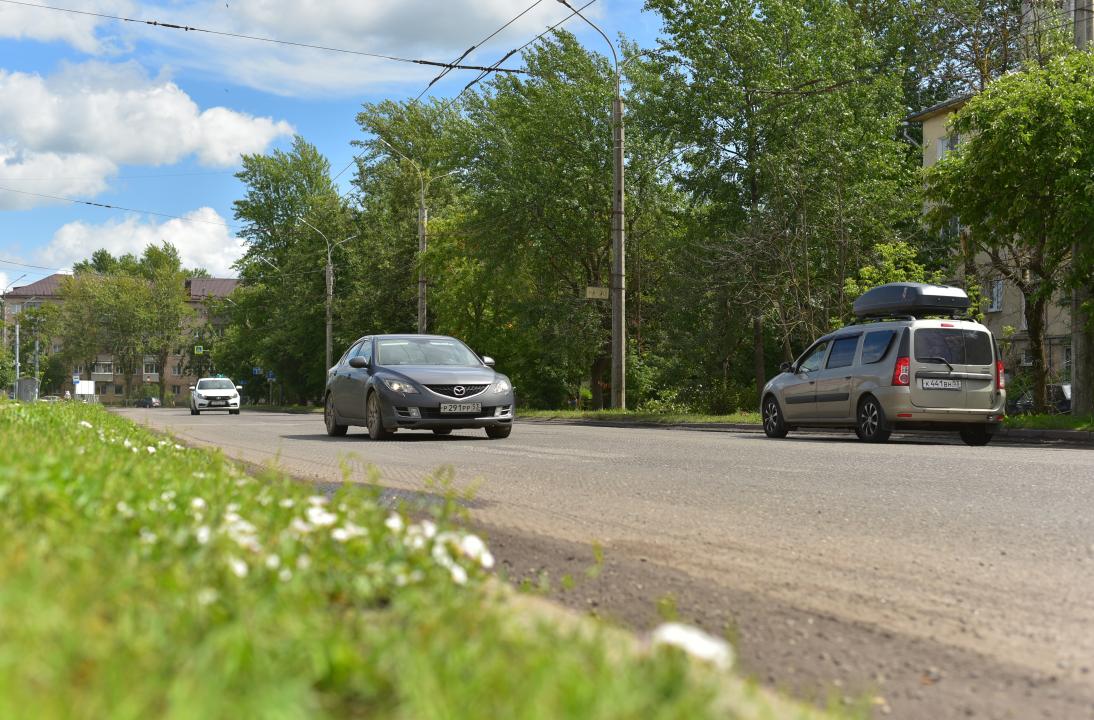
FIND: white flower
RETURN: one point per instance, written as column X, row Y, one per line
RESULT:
column 197, row 503
column 200, row 475
column 394, row 523
column 207, row 596
column 695, row 642
column 233, row 507
column 303, row 562
column 319, row 516
column 472, row 546
column 203, row 534
column 127, row 443
column 167, row 495
column 300, row 527
column 317, row 500
column 273, row 562
column 85, row 423
column 238, row 567
column 286, row 503
column 459, row 575
column 285, row 575
column 147, row 536
column 123, row 509
column 179, row 447
column 151, row 450
column 429, row 528
column 161, row 443
column 348, row 532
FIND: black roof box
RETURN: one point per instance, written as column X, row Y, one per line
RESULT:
column 910, row 298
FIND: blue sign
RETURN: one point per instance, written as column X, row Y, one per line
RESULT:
column 269, row 375
column 256, row 371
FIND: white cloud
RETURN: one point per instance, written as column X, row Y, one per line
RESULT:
column 76, row 127
column 79, row 31
column 4, row 280
column 202, row 239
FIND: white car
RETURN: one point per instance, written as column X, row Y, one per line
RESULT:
column 215, row 393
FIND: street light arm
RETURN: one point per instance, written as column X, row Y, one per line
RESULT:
column 417, row 168
column 615, row 58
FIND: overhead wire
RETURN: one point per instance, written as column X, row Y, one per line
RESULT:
column 257, row 38
column 107, row 206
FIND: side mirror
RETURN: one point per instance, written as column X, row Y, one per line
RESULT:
column 488, row 361
column 785, row 367
column 358, row 362
column 239, row 388
column 192, row 388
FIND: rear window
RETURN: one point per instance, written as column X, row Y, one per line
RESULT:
column 876, row 345
column 955, row 346
column 843, row 352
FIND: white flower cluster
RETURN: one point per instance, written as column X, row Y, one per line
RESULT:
column 694, row 642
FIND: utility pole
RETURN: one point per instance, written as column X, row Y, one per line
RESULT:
column 330, row 284
column 618, row 289
column 423, row 221
column 1082, row 335
column 18, row 366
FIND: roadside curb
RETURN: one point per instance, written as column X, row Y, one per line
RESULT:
column 1008, row 435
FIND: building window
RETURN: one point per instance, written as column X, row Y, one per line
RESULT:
column 176, row 389
column 103, row 387
column 151, row 367
column 103, row 368
column 177, row 370
column 995, row 296
column 118, row 389
column 1067, row 358
column 78, row 369
column 1027, row 358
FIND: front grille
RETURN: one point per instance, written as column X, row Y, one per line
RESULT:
column 450, row 390
column 436, row 414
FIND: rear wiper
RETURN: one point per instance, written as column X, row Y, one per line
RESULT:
column 937, row 360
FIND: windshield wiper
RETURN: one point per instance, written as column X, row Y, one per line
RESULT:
column 937, row 360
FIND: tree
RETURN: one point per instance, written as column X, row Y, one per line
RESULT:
column 1020, row 183
column 7, row 369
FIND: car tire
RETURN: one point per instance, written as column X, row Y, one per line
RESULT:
column 977, row 436
column 442, row 431
column 870, row 423
column 774, row 424
column 375, row 418
column 195, row 412
column 499, row 432
column 233, row 412
column 333, row 428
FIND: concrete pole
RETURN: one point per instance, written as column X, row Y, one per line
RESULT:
column 1082, row 335
column 423, row 220
column 619, row 259
column 330, row 299
column 18, row 365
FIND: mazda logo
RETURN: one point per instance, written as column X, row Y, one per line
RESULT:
column 459, row 390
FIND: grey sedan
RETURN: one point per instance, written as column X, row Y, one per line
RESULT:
column 416, row 382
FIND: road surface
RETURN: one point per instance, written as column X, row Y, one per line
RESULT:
column 933, row 579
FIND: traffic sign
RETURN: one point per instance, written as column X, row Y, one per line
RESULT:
column 199, row 350
column 269, row 374
column 256, row 371
column 597, row 293
column 75, row 379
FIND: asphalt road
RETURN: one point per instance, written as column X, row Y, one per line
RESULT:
column 934, row 579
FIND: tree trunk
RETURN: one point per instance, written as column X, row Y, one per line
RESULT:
column 596, row 381
column 1035, row 326
column 758, row 354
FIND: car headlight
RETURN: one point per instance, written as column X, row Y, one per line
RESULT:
column 502, row 386
column 199, row 396
column 399, row 386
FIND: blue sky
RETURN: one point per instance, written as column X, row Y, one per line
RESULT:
column 154, row 120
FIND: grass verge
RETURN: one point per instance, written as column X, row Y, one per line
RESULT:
column 740, row 417
column 1049, row 422
column 143, row 579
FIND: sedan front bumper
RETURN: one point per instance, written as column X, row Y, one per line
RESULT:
column 417, row 411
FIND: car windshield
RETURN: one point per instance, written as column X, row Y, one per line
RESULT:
column 424, row 351
column 216, row 384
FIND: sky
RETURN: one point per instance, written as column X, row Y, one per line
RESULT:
column 153, row 121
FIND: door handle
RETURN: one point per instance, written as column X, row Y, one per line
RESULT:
column 848, row 377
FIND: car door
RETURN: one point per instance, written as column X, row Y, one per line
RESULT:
column 339, row 379
column 834, row 381
column 800, row 394
column 357, row 380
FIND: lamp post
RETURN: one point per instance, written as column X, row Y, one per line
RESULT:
column 330, row 281
column 618, row 289
column 423, row 240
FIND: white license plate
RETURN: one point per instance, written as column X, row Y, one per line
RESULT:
column 461, row 407
column 940, row 384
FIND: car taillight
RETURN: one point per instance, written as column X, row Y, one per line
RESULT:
column 902, row 371
column 1000, row 378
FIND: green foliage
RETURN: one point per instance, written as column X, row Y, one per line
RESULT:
column 7, row 370
column 196, row 591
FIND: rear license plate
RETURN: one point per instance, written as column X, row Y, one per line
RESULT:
column 461, row 407
column 940, row 384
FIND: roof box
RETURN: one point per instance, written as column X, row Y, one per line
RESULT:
column 910, row 298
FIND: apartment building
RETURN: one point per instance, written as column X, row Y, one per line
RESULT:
column 110, row 385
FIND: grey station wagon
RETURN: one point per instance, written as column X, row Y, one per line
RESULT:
column 895, row 370
column 416, row 382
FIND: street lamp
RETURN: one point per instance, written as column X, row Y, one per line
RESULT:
column 619, row 298
column 423, row 219
column 330, row 280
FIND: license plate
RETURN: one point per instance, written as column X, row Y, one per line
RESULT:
column 940, row 384
column 218, row 402
column 461, row 407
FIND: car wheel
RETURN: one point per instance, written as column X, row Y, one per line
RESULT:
column 233, row 412
column 375, row 419
column 333, row 428
column 499, row 432
column 193, row 411
column 976, row 436
column 870, row 421
column 442, row 431
column 774, row 424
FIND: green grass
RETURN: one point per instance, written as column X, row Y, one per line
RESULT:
column 1049, row 422
column 740, row 417
column 142, row 579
